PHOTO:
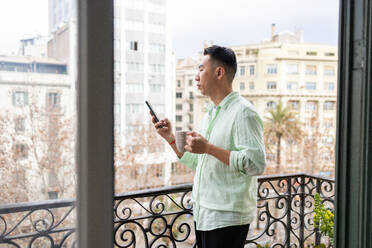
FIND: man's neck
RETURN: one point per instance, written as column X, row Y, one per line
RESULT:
column 219, row 96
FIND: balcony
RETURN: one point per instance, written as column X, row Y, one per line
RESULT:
column 162, row 217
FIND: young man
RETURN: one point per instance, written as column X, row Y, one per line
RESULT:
column 227, row 154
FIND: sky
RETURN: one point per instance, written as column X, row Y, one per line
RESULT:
column 238, row 22
column 225, row 22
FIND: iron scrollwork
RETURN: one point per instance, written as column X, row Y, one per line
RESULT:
column 159, row 218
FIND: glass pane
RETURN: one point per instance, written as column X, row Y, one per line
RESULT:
column 289, row 71
column 38, row 123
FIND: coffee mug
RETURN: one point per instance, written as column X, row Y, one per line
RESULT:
column 181, row 140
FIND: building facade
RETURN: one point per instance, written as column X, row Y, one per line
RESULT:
column 185, row 93
column 36, row 123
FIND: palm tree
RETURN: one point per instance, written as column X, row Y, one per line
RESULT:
column 282, row 123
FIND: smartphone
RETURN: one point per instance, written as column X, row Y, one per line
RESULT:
column 153, row 113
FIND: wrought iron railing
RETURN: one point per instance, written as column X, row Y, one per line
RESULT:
column 163, row 217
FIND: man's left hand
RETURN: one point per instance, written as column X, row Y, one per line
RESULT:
column 195, row 143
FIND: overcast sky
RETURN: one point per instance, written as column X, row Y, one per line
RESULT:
column 226, row 22
column 236, row 22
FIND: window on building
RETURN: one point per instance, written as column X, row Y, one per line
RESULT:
column 157, row 48
column 271, row 69
column 330, row 86
column 134, row 25
column 156, row 88
column 292, row 85
column 159, row 108
column 21, row 150
column 271, row 85
column 190, row 82
column 242, row 70
column 311, row 106
column 310, row 123
column 191, row 119
column 329, row 70
column 159, row 170
column 330, row 54
column 294, row 105
column 251, row 85
column 242, row 86
column 179, row 95
column 157, row 28
column 178, row 128
column 326, row 156
column 271, row 105
column 329, row 105
column 135, row 67
column 179, row 118
column 270, row 157
column 328, row 123
column 292, row 69
column 134, row 108
column 178, row 106
column 191, row 95
column 251, row 70
column 20, row 98
column 311, row 53
column 134, row 87
column 20, row 124
column 53, row 100
column 327, row 140
column 133, row 45
column 178, row 83
column 157, row 68
column 310, row 70
column 310, row 85
column 191, row 107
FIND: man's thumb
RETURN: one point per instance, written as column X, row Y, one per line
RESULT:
column 192, row 133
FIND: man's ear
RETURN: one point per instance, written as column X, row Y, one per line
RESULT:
column 220, row 71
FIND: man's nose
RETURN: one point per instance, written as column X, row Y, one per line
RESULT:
column 197, row 78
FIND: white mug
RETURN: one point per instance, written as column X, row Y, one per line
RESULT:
column 181, row 140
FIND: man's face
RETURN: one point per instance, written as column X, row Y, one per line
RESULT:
column 206, row 76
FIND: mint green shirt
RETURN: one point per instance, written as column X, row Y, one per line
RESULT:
column 227, row 195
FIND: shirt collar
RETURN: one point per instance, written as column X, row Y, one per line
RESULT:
column 224, row 104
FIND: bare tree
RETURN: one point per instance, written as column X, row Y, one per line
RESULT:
column 38, row 146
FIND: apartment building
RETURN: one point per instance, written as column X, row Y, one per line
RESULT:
column 144, row 65
column 185, row 93
column 35, row 100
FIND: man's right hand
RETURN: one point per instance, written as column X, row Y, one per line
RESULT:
column 165, row 131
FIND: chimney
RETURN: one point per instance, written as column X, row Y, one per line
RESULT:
column 272, row 31
column 300, row 35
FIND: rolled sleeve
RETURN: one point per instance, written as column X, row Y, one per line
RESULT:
column 249, row 155
column 189, row 159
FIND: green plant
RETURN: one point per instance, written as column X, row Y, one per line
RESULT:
column 323, row 219
column 260, row 246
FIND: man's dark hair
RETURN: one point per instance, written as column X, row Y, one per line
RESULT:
column 224, row 57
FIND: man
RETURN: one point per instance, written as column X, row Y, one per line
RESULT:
column 227, row 154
